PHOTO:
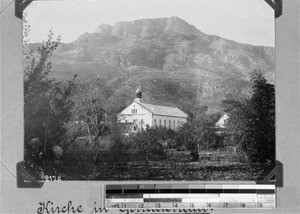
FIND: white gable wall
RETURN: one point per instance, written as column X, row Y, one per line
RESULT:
column 135, row 112
column 134, row 105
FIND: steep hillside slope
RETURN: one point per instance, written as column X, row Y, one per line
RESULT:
column 171, row 59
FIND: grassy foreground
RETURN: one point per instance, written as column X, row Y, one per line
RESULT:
column 173, row 165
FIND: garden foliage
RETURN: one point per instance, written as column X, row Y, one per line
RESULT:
column 251, row 123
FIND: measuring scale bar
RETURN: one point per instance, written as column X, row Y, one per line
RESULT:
column 188, row 196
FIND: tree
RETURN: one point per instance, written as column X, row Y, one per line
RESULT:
column 46, row 101
column 251, row 123
column 263, row 104
column 198, row 132
column 89, row 112
column 144, row 141
column 118, row 147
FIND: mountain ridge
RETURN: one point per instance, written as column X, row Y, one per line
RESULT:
column 168, row 50
column 144, row 28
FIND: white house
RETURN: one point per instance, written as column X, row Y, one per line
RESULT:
column 220, row 126
column 152, row 113
column 222, row 122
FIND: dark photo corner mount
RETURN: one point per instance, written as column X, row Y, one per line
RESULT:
column 277, row 6
column 275, row 176
column 25, row 179
column 20, row 6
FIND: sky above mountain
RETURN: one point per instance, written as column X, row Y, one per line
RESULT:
column 247, row 21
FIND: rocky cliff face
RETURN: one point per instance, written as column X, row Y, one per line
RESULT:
column 104, row 29
column 205, row 68
column 149, row 28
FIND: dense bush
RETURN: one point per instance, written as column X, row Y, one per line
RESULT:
column 157, row 149
column 198, row 132
column 195, row 155
column 251, row 123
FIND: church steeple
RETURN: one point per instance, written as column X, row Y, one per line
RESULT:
column 139, row 94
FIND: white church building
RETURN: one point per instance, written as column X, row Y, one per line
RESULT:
column 152, row 113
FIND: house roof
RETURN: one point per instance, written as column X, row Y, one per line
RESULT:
column 161, row 108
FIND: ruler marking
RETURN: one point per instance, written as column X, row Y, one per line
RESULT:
column 190, row 196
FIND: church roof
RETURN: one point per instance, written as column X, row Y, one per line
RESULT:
column 161, row 108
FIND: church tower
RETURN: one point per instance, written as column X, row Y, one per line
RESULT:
column 139, row 94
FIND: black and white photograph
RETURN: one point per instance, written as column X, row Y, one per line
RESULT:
column 149, row 90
